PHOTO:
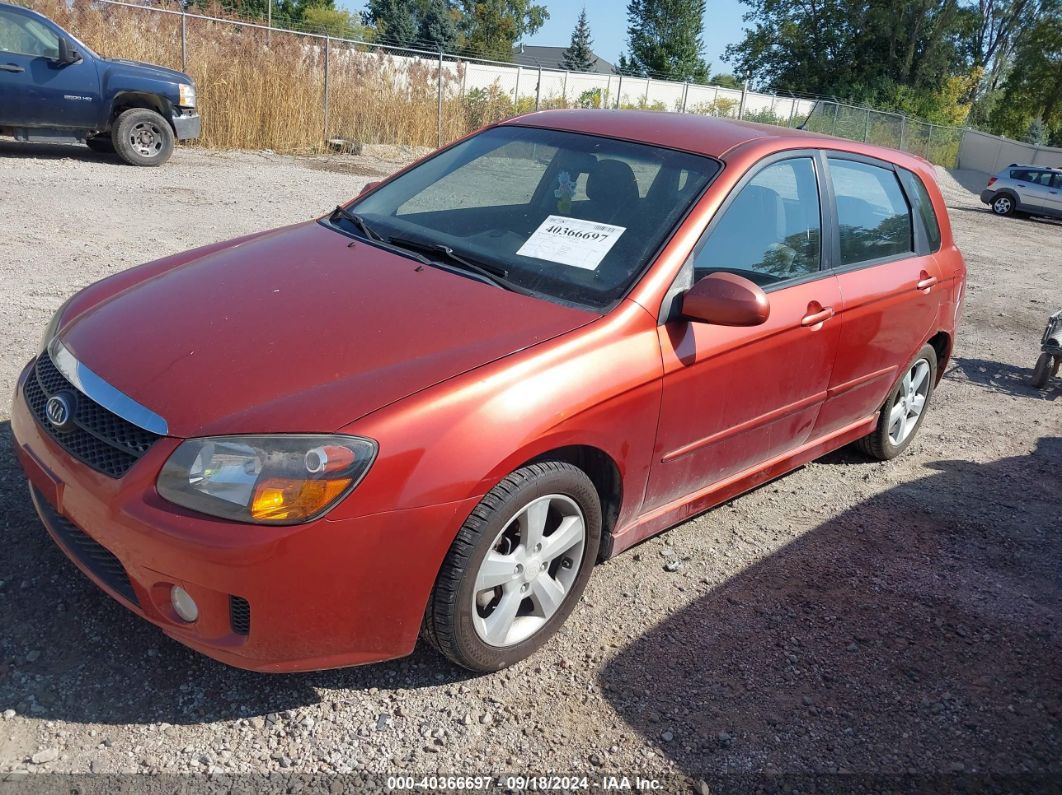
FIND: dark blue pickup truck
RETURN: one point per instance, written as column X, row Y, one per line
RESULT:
column 55, row 89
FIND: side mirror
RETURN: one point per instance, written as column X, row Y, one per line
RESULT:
column 368, row 186
column 726, row 299
column 67, row 54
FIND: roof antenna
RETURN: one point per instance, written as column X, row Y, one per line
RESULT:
column 808, row 117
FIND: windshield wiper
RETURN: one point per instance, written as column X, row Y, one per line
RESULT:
column 357, row 220
column 489, row 272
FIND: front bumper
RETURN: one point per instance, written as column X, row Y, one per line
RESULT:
column 326, row 594
column 186, row 123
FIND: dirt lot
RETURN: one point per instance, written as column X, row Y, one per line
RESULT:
column 898, row 618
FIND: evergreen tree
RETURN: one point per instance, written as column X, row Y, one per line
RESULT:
column 437, row 27
column 579, row 57
column 397, row 22
column 665, row 40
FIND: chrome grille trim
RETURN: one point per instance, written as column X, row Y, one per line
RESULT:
column 94, row 387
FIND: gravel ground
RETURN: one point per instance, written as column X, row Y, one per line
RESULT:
column 853, row 616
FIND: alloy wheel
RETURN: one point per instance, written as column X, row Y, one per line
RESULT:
column 1002, row 205
column 529, row 570
column 910, row 400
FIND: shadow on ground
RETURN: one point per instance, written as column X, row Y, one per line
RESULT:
column 10, row 148
column 916, row 633
column 1005, row 379
column 69, row 652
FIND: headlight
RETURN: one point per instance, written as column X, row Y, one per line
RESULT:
column 187, row 95
column 53, row 326
column 265, row 479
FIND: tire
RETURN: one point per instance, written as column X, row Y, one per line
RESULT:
column 1003, row 204
column 142, row 137
column 887, row 440
column 101, row 143
column 1042, row 372
column 471, row 625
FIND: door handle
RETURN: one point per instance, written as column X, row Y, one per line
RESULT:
column 926, row 281
column 817, row 317
column 10, row 67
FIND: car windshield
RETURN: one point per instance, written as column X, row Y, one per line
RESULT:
column 569, row 217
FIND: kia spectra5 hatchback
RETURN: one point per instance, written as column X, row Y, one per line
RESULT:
column 433, row 411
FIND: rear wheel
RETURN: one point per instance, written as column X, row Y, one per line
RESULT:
column 1042, row 372
column 142, row 137
column 517, row 567
column 1003, row 204
column 904, row 408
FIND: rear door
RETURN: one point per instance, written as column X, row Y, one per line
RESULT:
column 734, row 398
column 889, row 280
column 1054, row 194
column 35, row 89
column 1033, row 186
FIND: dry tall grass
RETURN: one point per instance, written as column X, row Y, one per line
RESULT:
column 268, row 93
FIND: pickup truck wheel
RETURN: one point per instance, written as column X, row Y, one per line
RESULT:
column 142, row 137
column 101, row 143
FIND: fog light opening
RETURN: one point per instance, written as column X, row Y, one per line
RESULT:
column 183, row 604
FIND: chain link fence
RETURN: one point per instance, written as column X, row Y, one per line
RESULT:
column 263, row 87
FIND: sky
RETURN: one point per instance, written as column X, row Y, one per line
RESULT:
column 608, row 26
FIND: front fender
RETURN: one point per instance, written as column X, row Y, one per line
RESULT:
column 598, row 386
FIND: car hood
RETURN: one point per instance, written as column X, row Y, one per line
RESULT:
column 156, row 71
column 299, row 330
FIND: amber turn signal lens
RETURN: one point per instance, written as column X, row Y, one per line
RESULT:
column 284, row 500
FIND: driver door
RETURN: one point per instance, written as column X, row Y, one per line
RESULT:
column 36, row 90
column 734, row 398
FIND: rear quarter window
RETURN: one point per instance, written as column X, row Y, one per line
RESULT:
column 923, row 206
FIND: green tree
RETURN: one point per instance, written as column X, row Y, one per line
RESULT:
column 492, row 27
column 437, row 28
column 332, row 22
column 665, row 40
column 1033, row 88
column 579, row 57
column 724, row 80
column 395, row 22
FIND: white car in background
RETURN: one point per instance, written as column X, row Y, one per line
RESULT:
column 1028, row 189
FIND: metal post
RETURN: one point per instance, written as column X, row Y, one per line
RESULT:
column 327, row 50
column 741, row 105
column 929, row 144
column 538, row 90
column 866, row 126
column 184, row 41
column 564, row 89
column 269, row 22
column 792, row 111
column 645, row 99
column 440, row 98
column 464, row 77
column 903, row 129
column 619, row 92
column 685, row 95
column 516, row 91
column 836, row 113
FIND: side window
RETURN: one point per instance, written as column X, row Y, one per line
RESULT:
column 26, row 36
column 1056, row 181
column 872, row 213
column 916, row 190
column 772, row 230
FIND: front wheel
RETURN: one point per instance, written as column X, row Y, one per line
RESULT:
column 904, row 408
column 517, row 567
column 1042, row 373
column 142, row 137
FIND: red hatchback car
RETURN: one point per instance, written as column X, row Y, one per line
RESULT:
column 435, row 410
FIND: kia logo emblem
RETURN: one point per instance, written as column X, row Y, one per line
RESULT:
column 60, row 411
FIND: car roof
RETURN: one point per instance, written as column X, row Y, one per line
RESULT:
column 706, row 135
column 1033, row 166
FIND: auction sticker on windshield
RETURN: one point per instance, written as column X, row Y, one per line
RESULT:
column 571, row 241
